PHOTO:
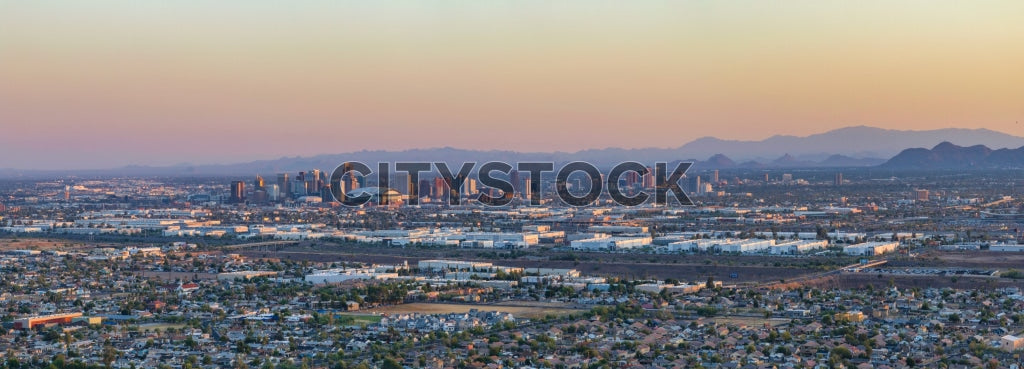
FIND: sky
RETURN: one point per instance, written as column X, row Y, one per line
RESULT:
column 101, row 84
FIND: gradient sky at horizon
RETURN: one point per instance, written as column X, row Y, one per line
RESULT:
column 100, row 84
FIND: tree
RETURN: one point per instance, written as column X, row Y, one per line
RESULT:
column 390, row 363
column 821, row 233
column 108, row 355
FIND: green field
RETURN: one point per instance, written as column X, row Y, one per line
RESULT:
column 359, row 319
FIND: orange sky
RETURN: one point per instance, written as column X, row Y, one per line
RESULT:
column 109, row 83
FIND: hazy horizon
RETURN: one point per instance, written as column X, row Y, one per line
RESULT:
column 103, row 85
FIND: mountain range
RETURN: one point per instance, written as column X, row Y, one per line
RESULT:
column 947, row 155
column 856, row 142
column 859, row 146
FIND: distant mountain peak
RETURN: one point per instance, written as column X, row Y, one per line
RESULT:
column 786, row 157
column 948, row 156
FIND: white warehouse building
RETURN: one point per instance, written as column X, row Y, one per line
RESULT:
column 871, row 248
column 605, row 242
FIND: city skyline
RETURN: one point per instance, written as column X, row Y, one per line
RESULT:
column 120, row 83
column 511, row 184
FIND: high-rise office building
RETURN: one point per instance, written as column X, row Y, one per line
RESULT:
column 439, row 188
column 283, row 186
column 839, row 179
column 631, row 179
column 237, row 192
column 351, row 180
column 424, row 189
column 517, row 185
column 325, row 194
column 274, row 192
column 313, row 182
column 469, row 187
column 459, row 183
column 714, row 176
column 402, row 184
column 260, row 196
column 299, row 187
column 704, row 188
column 921, row 195
column 258, row 183
column 649, row 178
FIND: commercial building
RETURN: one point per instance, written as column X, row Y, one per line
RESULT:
column 237, row 192
column 31, row 322
column 283, row 186
column 441, row 265
column 342, row 275
column 514, row 240
column 797, row 247
column 605, row 242
column 871, row 248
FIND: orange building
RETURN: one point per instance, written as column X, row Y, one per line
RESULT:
column 32, row 322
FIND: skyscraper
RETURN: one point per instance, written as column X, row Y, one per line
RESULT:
column 839, row 179
column 313, row 182
column 325, row 194
column 354, row 181
column 283, row 186
column 439, row 188
column 714, row 176
column 299, row 186
column 402, row 184
column 237, row 192
column 517, row 185
column 258, row 183
column 274, row 192
column 469, row 187
column 631, row 179
column 424, row 188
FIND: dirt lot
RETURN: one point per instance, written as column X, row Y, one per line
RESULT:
column 428, row 308
column 965, row 259
column 42, row 244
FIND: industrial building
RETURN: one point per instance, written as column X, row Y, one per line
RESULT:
column 606, row 242
column 32, row 322
column 871, row 248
